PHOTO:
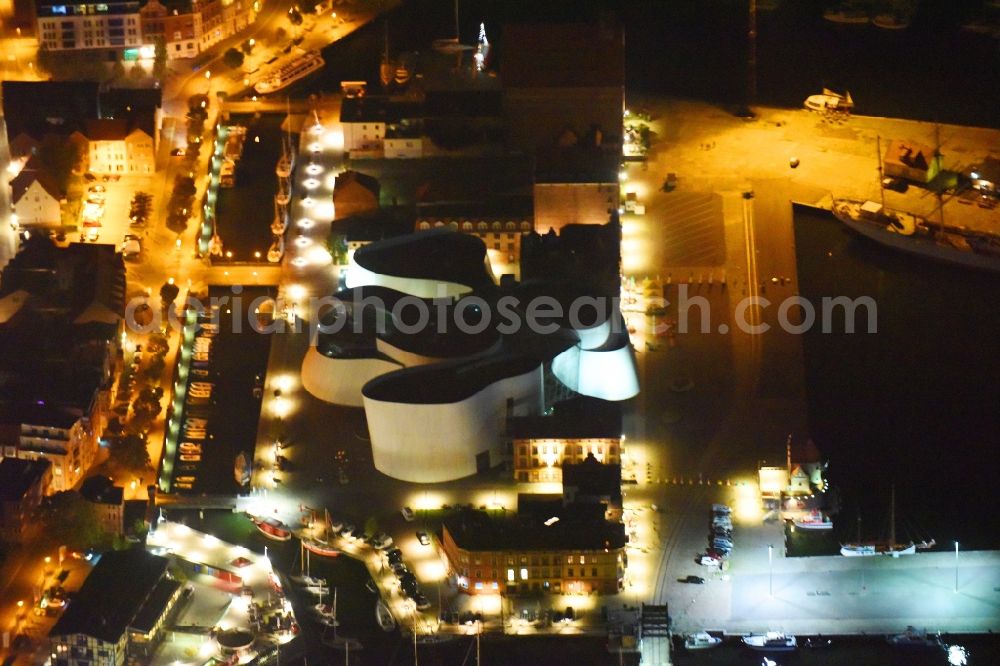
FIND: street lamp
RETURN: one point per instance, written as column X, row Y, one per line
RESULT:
column 770, row 571
column 956, row 566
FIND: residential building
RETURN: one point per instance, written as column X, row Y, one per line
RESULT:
column 188, row 27
column 118, row 615
column 35, row 197
column 912, row 161
column 500, row 224
column 564, row 99
column 594, row 483
column 354, row 193
column 112, row 26
column 577, row 429
column 119, row 147
column 61, row 312
column 23, row 483
column 115, row 131
column 109, row 501
column 549, row 548
column 986, row 176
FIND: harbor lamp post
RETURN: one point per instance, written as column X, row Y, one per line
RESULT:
column 770, row 571
column 956, row 566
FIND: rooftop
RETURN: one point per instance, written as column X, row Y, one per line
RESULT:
column 592, row 479
column 578, row 528
column 102, row 490
column 154, row 605
column 113, row 595
column 17, row 476
column 579, row 418
column 439, row 254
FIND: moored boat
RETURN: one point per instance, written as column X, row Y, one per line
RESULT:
column 814, row 520
column 892, row 21
column 701, row 641
column 321, row 548
column 273, row 528
column 384, row 617
column 915, row 235
column 917, row 640
column 285, row 73
column 772, row 641
column 846, row 14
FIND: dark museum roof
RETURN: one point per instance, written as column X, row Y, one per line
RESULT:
column 154, row 606
column 449, row 381
column 593, row 480
column 438, row 254
column 113, row 595
column 578, row 528
column 582, row 417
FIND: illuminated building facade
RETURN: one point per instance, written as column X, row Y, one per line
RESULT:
column 68, row 26
column 580, row 553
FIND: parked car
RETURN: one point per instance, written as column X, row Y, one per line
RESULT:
column 421, row 601
column 423, row 538
column 721, row 508
column 382, row 541
column 178, row 152
column 895, row 184
column 408, row 514
column 696, row 580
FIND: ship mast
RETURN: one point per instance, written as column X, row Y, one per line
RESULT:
column 881, row 188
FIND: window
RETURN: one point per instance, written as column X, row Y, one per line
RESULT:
column 583, row 560
column 524, row 573
column 479, row 585
column 569, row 572
column 593, row 572
column 510, row 575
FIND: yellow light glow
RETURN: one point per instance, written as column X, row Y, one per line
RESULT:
column 747, row 508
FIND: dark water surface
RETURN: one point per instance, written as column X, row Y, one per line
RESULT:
column 917, row 403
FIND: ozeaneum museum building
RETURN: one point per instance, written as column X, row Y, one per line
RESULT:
column 440, row 356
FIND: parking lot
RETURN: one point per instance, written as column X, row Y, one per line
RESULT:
column 113, row 213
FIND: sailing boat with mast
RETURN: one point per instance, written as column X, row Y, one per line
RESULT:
column 871, row 548
column 918, row 235
column 322, row 546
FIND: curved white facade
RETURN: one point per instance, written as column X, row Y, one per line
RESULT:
column 340, row 380
column 609, row 374
column 359, row 276
column 431, row 443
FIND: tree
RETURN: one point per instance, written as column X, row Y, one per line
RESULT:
column 157, row 344
column 371, row 526
column 136, row 73
column 280, row 35
column 233, row 58
column 68, row 518
column 159, row 57
column 155, row 368
column 294, row 16
column 169, row 293
column 184, row 187
column 117, row 71
column 59, row 157
column 130, row 452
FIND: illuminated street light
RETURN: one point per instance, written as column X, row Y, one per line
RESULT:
column 770, row 571
column 956, row 566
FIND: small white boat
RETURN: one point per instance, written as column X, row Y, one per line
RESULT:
column 772, row 641
column 892, row 21
column 312, row 581
column 277, row 250
column 701, row 641
column 384, row 617
column 846, row 14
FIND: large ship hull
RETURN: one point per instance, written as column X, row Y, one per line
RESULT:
column 922, row 246
column 287, row 73
column 864, row 550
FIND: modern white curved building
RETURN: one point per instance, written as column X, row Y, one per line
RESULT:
column 439, row 423
column 437, row 397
